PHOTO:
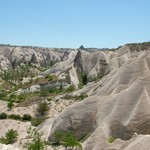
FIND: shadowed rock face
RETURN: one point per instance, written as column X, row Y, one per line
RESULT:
column 93, row 64
column 119, row 107
column 74, row 121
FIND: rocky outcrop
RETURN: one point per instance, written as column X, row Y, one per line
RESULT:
column 15, row 55
column 119, row 106
column 140, row 142
column 93, row 64
column 4, row 63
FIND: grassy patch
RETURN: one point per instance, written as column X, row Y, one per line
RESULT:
column 111, row 139
column 36, row 121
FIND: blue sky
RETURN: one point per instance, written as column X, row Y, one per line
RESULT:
column 70, row 23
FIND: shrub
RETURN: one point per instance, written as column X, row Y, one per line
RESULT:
column 84, row 79
column 37, row 143
column 111, row 139
column 36, row 121
column 95, row 78
column 14, row 116
column 30, row 80
column 67, row 139
column 60, row 88
column 26, row 117
column 2, row 95
column 12, row 96
column 70, row 88
column 10, row 137
column 49, row 99
column 44, row 92
column 51, row 90
column 82, row 96
column 42, row 108
column 10, row 105
column 3, row 140
column 21, row 97
column 3, row 116
column 68, row 96
column 49, row 77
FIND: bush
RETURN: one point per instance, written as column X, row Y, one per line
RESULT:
column 49, row 77
column 70, row 88
column 3, row 116
column 21, row 97
column 84, row 79
column 2, row 95
column 68, row 96
column 42, row 108
column 51, row 90
column 10, row 105
column 49, row 99
column 3, row 140
column 26, row 117
column 67, row 139
column 82, row 96
column 44, row 92
column 37, row 143
column 36, row 121
column 111, row 139
column 12, row 96
column 10, row 137
column 14, row 116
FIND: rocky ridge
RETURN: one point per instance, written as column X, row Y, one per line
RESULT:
column 117, row 87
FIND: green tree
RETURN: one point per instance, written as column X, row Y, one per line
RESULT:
column 84, row 79
column 42, row 108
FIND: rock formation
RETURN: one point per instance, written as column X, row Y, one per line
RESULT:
column 119, row 106
column 118, row 88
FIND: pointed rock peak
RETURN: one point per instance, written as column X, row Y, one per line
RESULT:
column 78, row 56
column 81, row 47
column 78, row 61
column 33, row 59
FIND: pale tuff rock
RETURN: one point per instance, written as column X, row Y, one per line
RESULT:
column 4, row 63
column 118, row 105
column 7, row 147
column 119, row 108
column 43, row 56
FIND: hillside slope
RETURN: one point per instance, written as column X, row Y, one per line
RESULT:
column 101, row 97
column 119, row 107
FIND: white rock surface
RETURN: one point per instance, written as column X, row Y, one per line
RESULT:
column 7, row 147
column 119, row 107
